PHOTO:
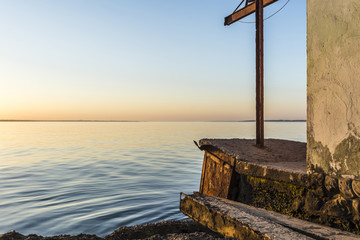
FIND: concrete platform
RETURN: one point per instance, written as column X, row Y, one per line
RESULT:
column 241, row 221
column 280, row 160
column 282, row 154
column 275, row 178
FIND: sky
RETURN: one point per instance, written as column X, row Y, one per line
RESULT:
column 147, row 60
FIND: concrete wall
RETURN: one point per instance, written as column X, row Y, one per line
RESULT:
column 333, row 50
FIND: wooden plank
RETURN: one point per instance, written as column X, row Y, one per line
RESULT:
column 246, row 11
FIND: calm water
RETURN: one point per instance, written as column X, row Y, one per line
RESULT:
column 72, row 178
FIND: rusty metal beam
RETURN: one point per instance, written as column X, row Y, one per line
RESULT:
column 246, row 11
column 259, row 73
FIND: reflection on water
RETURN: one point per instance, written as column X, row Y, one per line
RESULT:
column 82, row 177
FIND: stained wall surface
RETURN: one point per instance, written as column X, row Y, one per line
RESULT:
column 333, row 51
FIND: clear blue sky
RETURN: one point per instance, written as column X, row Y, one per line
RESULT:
column 147, row 60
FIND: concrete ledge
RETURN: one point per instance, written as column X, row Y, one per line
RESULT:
column 273, row 172
column 241, row 221
column 279, row 160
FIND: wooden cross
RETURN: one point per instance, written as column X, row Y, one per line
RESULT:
column 256, row 6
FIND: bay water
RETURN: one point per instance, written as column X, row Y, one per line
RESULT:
column 94, row 177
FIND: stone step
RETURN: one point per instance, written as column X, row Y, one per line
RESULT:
column 241, row 221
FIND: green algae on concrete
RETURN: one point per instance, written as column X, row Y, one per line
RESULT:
column 346, row 158
column 271, row 195
column 345, row 162
column 318, row 157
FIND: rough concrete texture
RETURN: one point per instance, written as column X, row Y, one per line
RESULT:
column 170, row 230
column 280, row 154
column 333, row 51
column 241, row 221
column 272, row 171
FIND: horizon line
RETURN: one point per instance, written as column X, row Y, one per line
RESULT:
column 270, row 120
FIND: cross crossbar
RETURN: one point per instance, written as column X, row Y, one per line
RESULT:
column 246, row 11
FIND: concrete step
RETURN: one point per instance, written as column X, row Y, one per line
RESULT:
column 241, row 221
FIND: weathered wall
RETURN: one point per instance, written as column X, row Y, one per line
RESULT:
column 333, row 50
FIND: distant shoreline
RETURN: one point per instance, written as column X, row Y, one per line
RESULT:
column 5, row 120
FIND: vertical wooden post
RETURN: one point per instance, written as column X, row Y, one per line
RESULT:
column 259, row 73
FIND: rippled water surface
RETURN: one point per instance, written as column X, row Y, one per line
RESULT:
column 83, row 177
